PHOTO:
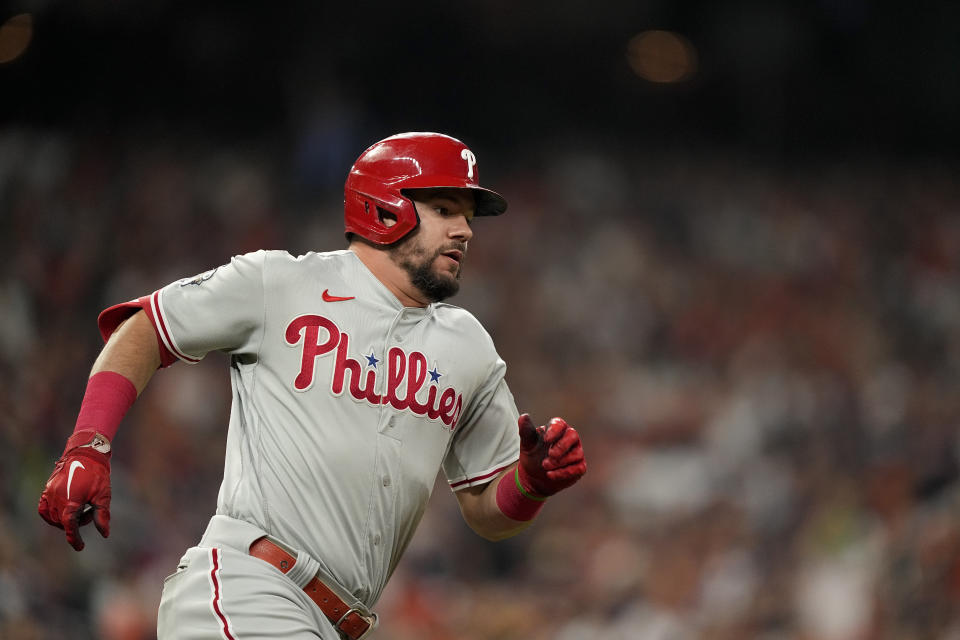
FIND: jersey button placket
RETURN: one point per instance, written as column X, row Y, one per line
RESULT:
column 386, row 417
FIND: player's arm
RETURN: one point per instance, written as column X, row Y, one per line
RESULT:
column 78, row 490
column 551, row 459
column 131, row 351
column 480, row 511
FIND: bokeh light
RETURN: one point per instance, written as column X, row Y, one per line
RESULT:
column 15, row 36
column 662, row 56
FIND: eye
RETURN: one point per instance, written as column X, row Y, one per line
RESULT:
column 443, row 211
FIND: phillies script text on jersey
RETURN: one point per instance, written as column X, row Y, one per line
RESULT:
column 410, row 369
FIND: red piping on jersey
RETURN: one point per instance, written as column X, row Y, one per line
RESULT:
column 216, row 595
column 454, row 485
column 155, row 301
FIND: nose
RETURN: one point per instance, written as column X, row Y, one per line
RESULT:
column 460, row 229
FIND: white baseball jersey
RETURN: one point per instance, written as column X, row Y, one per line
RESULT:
column 345, row 403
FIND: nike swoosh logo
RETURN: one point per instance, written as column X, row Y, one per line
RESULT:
column 329, row 298
column 73, row 468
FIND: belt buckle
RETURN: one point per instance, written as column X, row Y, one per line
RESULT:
column 371, row 620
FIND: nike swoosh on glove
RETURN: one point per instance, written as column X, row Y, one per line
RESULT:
column 81, row 477
column 551, row 456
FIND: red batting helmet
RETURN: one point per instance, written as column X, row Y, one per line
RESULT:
column 409, row 161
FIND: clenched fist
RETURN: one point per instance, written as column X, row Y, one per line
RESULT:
column 81, row 477
column 551, row 457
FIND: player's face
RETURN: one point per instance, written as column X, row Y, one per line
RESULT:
column 433, row 254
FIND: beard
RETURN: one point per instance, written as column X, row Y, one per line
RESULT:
column 418, row 262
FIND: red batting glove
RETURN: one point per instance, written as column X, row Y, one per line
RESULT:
column 81, row 477
column 551, row 457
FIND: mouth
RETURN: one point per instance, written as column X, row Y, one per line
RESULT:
column 454, row 254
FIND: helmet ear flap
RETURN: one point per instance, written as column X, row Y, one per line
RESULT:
column 362, row 213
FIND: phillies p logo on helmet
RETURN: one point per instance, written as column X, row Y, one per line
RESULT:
column 471, row 159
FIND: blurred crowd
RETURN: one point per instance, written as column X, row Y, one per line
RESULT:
column 762, row 360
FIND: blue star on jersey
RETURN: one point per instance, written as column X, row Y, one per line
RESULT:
column 372, row 360
column 435, row 375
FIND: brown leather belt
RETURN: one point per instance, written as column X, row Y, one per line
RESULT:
column 348, row 621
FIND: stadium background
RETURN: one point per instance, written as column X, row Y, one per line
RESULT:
column 731, row 260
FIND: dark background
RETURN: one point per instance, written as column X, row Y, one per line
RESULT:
column 787, row 78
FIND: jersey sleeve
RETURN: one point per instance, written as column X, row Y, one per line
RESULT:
column 218, row 310
column 487, row 440
column 110, row 319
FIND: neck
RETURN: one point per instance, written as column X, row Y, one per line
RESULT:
column 393, row 277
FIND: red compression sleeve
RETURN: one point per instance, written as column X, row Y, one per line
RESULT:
column 516, row 502
column 108, row 398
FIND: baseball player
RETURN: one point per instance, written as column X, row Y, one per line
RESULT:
column 353, row 385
